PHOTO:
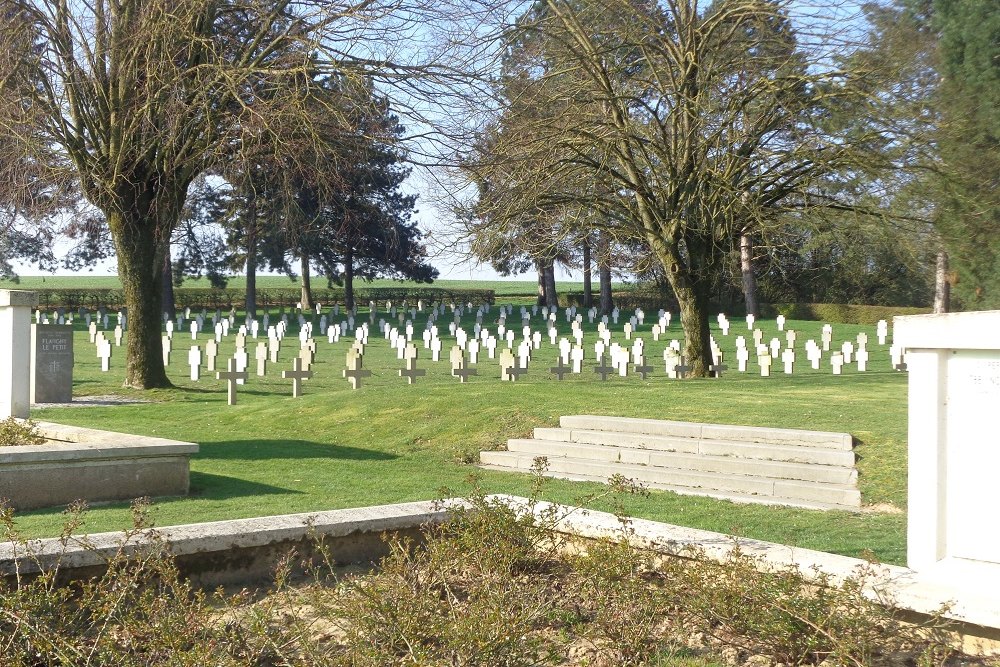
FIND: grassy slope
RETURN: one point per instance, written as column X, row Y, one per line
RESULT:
column 390, row 442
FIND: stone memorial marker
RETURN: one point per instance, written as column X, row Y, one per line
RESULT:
column 670, row 358
column 166, row 346
column 411, row 372
column 781, row 322
column 242, row 362
column 862, row 358
column 716, row 370
column 194, row 361
column 456, row 357
column 827, row 337
column 750, row 320
column 354, row 371
column 260, row 356
column 742, row 357
column 119, row 332
column 231, row 376
column 463, row 372
column 882, row 331
column 211, row 352
column 297, row 375
column 788, row 359
column 954, row 454
column 51, row 363
column 92, row 329
column 837, row 363
column 758, row 337
column 898, row 356
column 765, row 360
column 194, row 329
column 642, row 368
column 681, row 369
column 506, row 362
column 603, row 368
column 814, row 354
column 847, row 349
column 104, row 353
column 790, row 337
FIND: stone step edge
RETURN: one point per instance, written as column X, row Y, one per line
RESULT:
column 802, row 470
column 738, row 498
column 763, row 434
column 768, row 487
column 669, row 443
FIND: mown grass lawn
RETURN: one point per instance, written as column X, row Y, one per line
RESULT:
column 392, row 442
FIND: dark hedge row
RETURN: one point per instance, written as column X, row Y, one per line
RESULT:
column 844, row 313
column 282, row 297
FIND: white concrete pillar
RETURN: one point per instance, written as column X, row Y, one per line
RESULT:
column 15, row 352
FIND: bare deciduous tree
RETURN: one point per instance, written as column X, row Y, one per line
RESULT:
column 128, row 101
column 690, row 123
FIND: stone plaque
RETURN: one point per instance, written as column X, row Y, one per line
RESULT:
column 51, row 363
column 972, row 398
column 953, row 363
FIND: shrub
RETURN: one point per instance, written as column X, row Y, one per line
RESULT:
column 15, row 431
column 496, row 586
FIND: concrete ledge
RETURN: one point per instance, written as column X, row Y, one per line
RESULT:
column 974, row 601
column 12, row 297
column 225, row 552
column 92, row 465
column 963, row 331
column 776, row 436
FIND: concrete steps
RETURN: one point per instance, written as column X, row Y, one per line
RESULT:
column 746, row 464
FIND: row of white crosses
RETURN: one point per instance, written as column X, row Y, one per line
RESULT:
column 619, row 355
column 814, row 353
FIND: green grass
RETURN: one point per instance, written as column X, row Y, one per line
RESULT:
column 391, row 442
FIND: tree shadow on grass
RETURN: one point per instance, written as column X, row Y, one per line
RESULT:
column 217, row 487
column 258, row 450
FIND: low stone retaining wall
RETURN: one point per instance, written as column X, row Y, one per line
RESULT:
column 245, row 551
column 241, row 551
column 92, row 465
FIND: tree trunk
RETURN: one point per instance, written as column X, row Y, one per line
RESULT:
column 251, row 257
column 749, row 280
column 307, row 297
column 169, row 307
column 692, row 297
column 140, row 269
column 540, row 268
column 588, row 295
column 349, row 280
column 551, row 297
column 604, row 275
column 942, row 290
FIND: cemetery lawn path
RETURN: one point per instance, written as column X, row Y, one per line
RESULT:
column 390, row 442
